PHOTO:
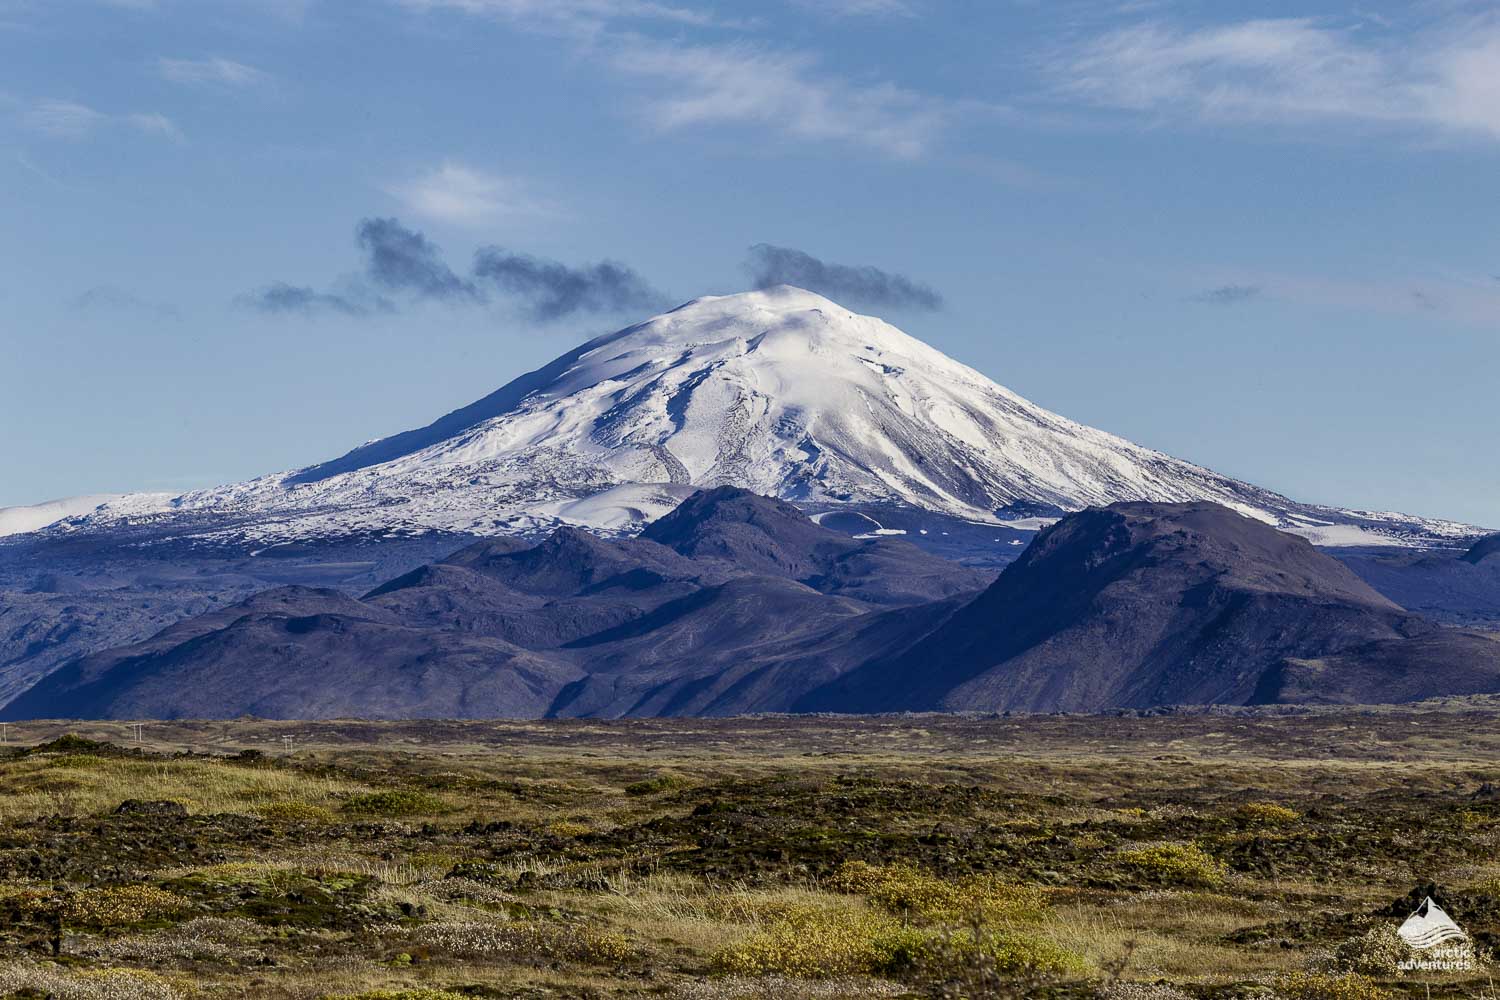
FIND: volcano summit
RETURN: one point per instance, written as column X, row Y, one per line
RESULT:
column 780, row 391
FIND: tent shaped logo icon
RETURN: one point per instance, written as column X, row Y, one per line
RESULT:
column 1429, row 926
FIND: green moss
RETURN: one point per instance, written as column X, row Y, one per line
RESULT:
column 295, row 811
column 395, row 802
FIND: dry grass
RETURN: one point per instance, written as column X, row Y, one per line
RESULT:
column 741, row 859
column 80, row 785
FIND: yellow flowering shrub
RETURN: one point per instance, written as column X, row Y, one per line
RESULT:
column 28, row 980
column 106, row 906
column 1268, row 813
column 1180, row 864
column 1321, row 986
column 813, row 943
column 566, row 828
column 295, row 811
column 822, row 944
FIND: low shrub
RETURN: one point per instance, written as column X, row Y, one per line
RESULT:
column 1175, row 864
column 1321, row 986
column 996, row 953
column 566, row 828
column 1267, row 813
column 1488, row 887
column 393, row 803
column 115, row 906
column 1379, row 952
column 420, row 993
column 88, row 984
column 820, row 944
column 296, row 811
column 103, row 907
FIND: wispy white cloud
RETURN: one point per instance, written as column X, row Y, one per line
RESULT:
column 36, row 170
column 569, row 12
column 463, row 195
column 71, row 120
column 783, row 91
column 154, row 123
column 62, row 119
column 1445, row 77
column 861, row 8
column 289, row 10
column 686, row 82
column 214, row 69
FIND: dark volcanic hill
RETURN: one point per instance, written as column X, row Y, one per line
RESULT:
column 1455, row 588
column 736, row 603
column 748, row 533
column 1486, row 548
column 503, row 628
column 1136, row 605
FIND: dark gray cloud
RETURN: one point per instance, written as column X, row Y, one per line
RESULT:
column 282, row 298
column 405, row 265
column 109, row 299
column 865, row 285
column 553, row 290
column 1229, row 295
column 403, row 260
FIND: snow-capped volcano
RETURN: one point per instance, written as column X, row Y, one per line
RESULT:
column 779, row 391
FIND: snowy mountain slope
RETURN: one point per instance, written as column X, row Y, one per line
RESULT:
column 779, row 391
column 33, row 517
column 18, row 520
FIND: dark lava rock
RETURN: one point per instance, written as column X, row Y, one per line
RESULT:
column 151, row 807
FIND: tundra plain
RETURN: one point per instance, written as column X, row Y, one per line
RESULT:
column 1253, row 853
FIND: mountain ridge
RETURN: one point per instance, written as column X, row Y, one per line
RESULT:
column 730, row 609
column 779, row 391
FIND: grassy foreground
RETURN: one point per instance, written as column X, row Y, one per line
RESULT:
column 1123, row 858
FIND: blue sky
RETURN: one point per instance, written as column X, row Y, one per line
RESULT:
column 238, row 236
